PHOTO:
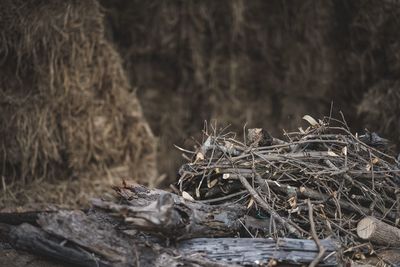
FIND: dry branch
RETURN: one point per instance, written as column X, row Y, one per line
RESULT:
column 344, row 176
column 29, row 238
column 321, row 248
column 267, row 208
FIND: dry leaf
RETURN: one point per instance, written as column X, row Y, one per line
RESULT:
column 199, row 156
column 272, row 263
column 186, row 196
column 359, row 256
column 344, row 151
column 365, row 189
column 310, row 120
column 375, row 161
column 229, row 145
column 302, row 189
column 251, row 202
column 292, row 202
column 368, row 167
column 294, row 210
column 212, row 183
column 332, row 154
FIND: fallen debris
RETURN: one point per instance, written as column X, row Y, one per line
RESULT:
column 322, row 197
column 97, row 239
column 341, row 177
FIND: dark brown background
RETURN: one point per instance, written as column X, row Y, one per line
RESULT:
column 264, row 63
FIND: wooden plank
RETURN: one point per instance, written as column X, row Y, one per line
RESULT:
column 81, row 239
column 16, row 218
column 169, row 215
column 81, row 229
column 101, row 238
column 248, row 251
column 30, row 238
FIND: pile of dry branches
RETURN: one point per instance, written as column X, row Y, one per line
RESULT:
column 322, row 177
column 321, row 183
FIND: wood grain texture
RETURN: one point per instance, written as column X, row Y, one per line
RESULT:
column 379, row 232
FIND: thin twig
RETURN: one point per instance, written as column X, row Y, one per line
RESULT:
column 224, row 197
column 314, row 235
column 287, row 223
column 329, row 165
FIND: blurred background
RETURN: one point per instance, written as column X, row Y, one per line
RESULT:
column 154, row 71
column 264, row 63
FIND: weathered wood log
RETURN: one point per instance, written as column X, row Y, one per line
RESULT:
column 179, row 220
column 172, row 216
column 161, row 212
column 216, row 251
column 32, row 239
column 16, row 218
column 4, row 232
column 250, row 251
column 10, row 257
column 76, row 238
column 378, row 232
column 79, row 228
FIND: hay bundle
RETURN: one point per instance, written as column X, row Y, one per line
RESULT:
column 380, row 108
column 372, row 65
column 66, row 105
column 368, row 43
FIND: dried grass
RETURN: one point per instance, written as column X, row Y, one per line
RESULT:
column 66, row 193
column 67, row 107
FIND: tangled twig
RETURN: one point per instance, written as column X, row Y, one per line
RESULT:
column 344, row 176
